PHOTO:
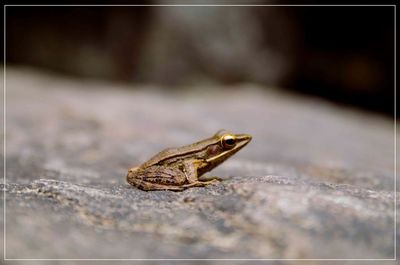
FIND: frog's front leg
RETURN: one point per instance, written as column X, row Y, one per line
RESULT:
column 157, row 178
column 190, row 168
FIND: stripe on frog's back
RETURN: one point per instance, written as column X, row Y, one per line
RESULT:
column 184, row 152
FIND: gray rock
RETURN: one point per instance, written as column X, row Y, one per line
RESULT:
column 316, row 182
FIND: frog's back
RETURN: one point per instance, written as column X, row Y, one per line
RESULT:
column 161, row 157
column 171, row 155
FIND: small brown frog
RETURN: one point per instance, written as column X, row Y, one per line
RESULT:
column 180, row 168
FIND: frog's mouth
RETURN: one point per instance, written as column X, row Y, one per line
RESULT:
column 241, row 141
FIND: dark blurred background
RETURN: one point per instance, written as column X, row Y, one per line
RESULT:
column 344, row 54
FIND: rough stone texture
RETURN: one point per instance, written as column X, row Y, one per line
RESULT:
column 315, row 182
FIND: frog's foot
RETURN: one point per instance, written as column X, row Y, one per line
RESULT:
column 201, row 183
column 209, row 178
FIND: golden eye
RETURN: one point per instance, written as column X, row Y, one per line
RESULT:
column 228, row 141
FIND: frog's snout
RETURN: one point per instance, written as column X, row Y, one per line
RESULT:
column 244, row 137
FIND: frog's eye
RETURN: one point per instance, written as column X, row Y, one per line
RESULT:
column 228, row 141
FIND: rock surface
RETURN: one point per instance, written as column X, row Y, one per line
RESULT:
column 316, row 182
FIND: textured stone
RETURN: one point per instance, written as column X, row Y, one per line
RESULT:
column 315, row 182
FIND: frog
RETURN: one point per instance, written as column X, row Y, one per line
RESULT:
column 177, row 169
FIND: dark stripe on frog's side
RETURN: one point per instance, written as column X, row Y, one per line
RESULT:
column 176, row 154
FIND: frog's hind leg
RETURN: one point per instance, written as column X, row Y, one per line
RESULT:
column 147, row 186
column 157, row 178
column 142, row 181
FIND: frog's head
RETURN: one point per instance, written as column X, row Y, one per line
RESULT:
column 221, row 146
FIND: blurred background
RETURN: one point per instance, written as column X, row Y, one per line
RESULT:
column 93, row 91
column 343, row 54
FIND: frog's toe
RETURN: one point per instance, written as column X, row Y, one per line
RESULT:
column 214, row 181
column 209, row 178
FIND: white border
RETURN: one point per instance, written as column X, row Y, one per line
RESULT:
column 4, row 144
column 4, row 134
column 395, row 136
